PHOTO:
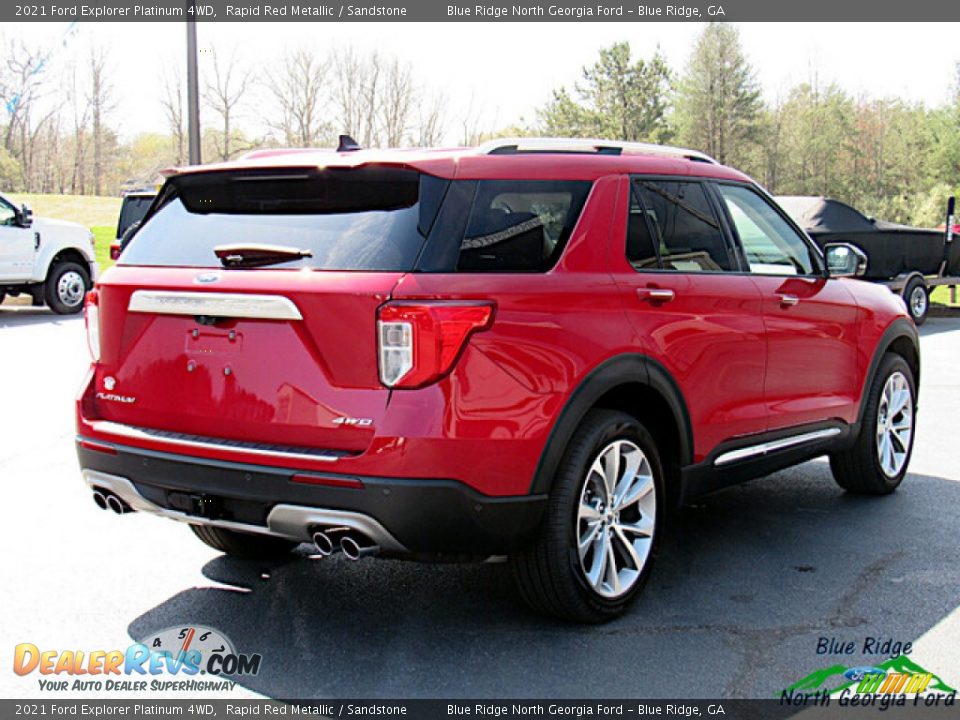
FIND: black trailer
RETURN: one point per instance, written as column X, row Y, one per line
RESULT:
column 910, row 261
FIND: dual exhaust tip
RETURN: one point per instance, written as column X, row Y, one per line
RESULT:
column 106, row 500
column 352, row 544
column 328, row 541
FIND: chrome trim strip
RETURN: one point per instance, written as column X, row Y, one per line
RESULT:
column 127, row 431
column 774, row 445
column 288, row 521
column 234, row 305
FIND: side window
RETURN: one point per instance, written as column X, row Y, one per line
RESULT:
column 641, row 252
column 771, row 246
column 686, row 230
column 8, row 216
column 520, row 225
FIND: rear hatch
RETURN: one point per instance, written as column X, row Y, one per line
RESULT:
column 244, row 308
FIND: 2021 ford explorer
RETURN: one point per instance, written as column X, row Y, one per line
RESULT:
column 533, row 348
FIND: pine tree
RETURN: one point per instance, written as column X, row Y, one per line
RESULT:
column 618, row 98
column 718, row 103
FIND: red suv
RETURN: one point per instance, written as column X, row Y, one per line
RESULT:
column 533, row 348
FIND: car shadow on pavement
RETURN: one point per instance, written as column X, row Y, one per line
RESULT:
column 747, row 581
column 941, row 323
column 19, row 316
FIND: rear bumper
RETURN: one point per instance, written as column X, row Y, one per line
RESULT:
column 405, row 516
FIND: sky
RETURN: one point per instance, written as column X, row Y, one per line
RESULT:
column 503, row 71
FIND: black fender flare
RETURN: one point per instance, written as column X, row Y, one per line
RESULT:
column 620, row 370
column 900, row 328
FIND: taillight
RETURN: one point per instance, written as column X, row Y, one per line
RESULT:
column 418, row 342
column 114, row 251
column 92, row 312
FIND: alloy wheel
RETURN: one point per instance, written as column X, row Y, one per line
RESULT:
column 894, row 424
column 616, row 518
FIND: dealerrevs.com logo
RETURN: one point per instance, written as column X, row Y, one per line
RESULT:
column 192, row 658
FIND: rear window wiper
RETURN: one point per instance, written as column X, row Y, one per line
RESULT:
column 243, row 256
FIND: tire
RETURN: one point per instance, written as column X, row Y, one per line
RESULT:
column 549, row 574
column 67, row 285
column 864, row 469
column 245, row 546
column 917, row 298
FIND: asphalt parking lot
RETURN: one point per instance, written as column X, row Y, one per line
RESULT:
column 748, row 582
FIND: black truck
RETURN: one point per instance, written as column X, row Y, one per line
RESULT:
column 910, row 261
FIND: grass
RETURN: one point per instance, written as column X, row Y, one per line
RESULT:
column 88, row 210
column 103, row 235
column 941, row 295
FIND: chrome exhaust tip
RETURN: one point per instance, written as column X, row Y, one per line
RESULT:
column 100, row 499
column 323, row 543
column 327, row 541
column 117, row 505
column 354, row 550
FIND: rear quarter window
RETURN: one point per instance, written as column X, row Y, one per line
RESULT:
column 519, row 225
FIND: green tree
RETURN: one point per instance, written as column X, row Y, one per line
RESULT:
column 718, row 99
column 618, row 98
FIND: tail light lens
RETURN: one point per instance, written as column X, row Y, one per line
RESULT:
column 114, row 251
column 419, row 342
column 92, row 316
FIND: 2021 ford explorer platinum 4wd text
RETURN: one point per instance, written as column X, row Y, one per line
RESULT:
column 531, row 348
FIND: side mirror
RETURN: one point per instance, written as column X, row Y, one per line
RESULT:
column 24, row 216
column 845, row 260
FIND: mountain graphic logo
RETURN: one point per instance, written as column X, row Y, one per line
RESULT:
column 837, row 678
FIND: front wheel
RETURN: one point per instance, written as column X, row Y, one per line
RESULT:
column 878, row 460
column 67, row 284
column 599, row 537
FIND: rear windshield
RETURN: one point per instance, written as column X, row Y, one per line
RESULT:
column 132, row 210
column 371, row 218
column 360, row 219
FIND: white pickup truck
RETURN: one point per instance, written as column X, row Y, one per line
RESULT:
column 51, row 260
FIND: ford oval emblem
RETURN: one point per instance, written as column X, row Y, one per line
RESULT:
column 207, row 277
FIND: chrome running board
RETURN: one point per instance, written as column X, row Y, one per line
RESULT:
column 774, row 445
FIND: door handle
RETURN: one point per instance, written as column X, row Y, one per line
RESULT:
column 788, row 300
column 656, row 295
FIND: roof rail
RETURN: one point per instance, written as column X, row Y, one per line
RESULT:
column 516, row 146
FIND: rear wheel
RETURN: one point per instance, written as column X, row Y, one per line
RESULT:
column 878, row 460
column 246, row 546
column 67, row 284
column 599, row 538
column 917, row 298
